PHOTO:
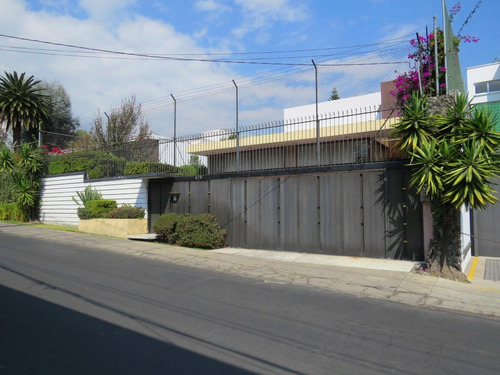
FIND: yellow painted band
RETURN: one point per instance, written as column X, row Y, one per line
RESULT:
column 470, row 276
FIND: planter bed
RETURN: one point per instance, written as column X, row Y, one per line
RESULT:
column 114, row 227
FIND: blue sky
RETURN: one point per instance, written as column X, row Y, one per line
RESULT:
column 198, row 29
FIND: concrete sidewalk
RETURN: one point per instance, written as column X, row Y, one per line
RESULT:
column 375, row 278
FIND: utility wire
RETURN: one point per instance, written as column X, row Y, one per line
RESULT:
column 176, row 57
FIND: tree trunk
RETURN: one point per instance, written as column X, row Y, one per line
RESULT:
column 16, row 136
column 445, row 255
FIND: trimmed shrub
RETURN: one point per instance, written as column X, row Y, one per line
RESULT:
column 136, row 167
column 100, row 208
column 188, row 170
column 12, row 211
column 83, row 213
column 96, row 164
column 200, row 231
column 127, row 212
column 165, row 226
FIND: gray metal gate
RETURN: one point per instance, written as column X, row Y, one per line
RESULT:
column 364, row 213
column 486, row 230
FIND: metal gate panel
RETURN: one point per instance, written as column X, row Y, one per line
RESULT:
column 158, row 200
column 308, row 211
column 262, row 199
column 220, row 203
column 199, row 200
column 182, row 205
column 289, row 236
column 487, row 230
column 299, row 214
column 236, row 225
column 331, row 213
column 374, row 214
column 353, row 217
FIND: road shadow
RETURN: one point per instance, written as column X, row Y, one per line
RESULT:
column 39, row 337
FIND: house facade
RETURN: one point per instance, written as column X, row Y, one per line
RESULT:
column 351, row 130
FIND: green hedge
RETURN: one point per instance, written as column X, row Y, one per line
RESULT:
column 145, row 167
column 200, row 231
column 127, row 212
column 96, row 164
column 96, row 209
column 12, row 211
column 104, row 164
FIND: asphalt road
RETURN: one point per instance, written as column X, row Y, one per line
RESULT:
column 66, row 309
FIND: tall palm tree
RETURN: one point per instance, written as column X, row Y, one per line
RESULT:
column 22, row 104
column 456, row 159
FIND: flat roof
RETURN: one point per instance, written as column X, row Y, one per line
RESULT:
column 328, row 133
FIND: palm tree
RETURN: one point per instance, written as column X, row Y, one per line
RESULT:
column 22, row 104
column 455, row 158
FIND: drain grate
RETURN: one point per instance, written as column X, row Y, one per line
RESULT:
column 492, row 269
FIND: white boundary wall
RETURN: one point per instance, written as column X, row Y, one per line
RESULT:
column 57, row 207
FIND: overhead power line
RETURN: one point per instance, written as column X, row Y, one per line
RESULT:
column 85, row 52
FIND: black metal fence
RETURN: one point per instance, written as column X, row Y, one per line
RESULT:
column 347, row 137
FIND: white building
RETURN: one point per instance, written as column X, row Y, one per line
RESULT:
column 483, row 83
column 334, row 112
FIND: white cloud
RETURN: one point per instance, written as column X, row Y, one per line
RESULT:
column 109, row 10
column 101, row 83
column 261, row 15
column 211, row 6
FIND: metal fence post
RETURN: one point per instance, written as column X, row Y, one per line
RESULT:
column 175, row 130
column 318, row 144
column 436, row 57
column 237, row 130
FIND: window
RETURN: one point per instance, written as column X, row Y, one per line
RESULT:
column 489, row 86
column 494, row 85
column 481, row 87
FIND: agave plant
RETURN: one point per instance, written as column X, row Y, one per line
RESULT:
column 415, row 126
column 6, row 159
column 87, row 195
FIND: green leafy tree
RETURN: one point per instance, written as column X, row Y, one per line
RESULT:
column 124, row 125
column 60, row 127
column 23, row 104
column 455, row 157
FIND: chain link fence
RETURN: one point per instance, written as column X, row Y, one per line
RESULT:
column 335, row 110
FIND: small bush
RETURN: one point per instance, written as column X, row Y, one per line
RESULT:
column 165, row 226
column 127, row 212
column 7, row 192
column 83, row 213
column 100, row 208
column 188, row 170
column 12, row 211
column 200, row 231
